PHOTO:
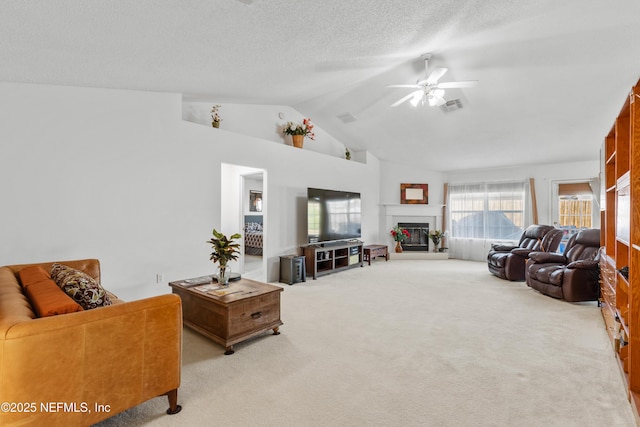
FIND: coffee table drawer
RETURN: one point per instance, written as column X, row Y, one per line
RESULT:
column 254, row 314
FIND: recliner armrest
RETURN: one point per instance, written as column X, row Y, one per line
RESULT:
column 502, row 248
column 543, row 257
column 584, row 264
column 523, row 252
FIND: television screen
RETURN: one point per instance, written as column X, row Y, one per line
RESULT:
column 332, row 215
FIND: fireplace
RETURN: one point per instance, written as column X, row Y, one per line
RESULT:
column 419, row 240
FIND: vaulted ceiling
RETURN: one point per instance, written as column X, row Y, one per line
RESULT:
column 552, row 74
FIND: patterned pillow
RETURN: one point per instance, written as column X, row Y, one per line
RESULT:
column 80, row 286
column 252, row 227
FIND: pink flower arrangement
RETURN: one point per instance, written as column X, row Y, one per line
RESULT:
column 306, row 129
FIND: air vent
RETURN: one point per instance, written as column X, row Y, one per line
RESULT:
column 452, row 105
column 347, row 118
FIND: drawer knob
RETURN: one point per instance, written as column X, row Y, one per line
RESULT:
column 256, row 315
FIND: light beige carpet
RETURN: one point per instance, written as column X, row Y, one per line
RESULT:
column 406, row 343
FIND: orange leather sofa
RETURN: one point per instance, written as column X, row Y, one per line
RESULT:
column 79, row 368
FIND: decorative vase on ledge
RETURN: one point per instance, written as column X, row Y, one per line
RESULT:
column 298, row 140
column 215, row 124
column 398, row 247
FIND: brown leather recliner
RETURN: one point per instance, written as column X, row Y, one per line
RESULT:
column 572, row 276
column 508, row 261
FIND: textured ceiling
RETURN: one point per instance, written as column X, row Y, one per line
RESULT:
column 553, row 74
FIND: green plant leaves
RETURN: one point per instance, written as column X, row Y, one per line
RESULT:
column 224, row 248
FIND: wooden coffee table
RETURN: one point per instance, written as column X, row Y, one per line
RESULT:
column 248, row 308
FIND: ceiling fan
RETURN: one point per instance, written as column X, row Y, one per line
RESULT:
column 429, row 91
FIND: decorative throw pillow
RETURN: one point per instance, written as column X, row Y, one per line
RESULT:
column 80, row 286
column 47, row 299
column 33, row 274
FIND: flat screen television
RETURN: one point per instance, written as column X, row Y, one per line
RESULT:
column 332, row 215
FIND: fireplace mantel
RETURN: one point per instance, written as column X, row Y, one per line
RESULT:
column 431, row 213
column 413, row 210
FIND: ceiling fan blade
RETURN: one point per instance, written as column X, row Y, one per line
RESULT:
column 405, row 98
column 434, row 76
column 451, row 85
column 404, row 86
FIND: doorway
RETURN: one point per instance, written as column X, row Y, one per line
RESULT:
column 237, row 205
column 253, row 223
column 574, row 206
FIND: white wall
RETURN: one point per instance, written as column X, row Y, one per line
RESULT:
column 393, row 174
column 118, row 175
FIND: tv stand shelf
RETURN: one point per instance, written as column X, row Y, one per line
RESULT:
column 331, row 258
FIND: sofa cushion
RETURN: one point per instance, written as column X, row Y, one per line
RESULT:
column 547, row 273
column 33, row 274
column 47, row 299
column 80, row 286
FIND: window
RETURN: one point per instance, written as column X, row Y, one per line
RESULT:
column 575, row 205
column 488, row 210
column 576, row 211
column 313, row 218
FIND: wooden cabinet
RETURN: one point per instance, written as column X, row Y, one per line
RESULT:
column 248, row 309
column 331, row 258
column 620, row 258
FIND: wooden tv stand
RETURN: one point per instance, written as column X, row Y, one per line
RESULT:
column 332, row 257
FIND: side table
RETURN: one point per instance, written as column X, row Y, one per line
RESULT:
column 372, row 251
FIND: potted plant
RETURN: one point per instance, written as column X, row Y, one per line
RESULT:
column 224, row 250
column 399, row 235
column 215, row 116
column 299, row 131
column 436, row 236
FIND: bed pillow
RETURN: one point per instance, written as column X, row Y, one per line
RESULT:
column 252, row 227
column 84, row 289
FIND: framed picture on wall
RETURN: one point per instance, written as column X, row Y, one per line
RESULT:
column 255, row 201
column 414, row 194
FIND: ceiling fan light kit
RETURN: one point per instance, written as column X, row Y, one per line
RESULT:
column 429, row 90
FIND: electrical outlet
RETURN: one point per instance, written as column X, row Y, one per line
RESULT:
column 159, row 278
